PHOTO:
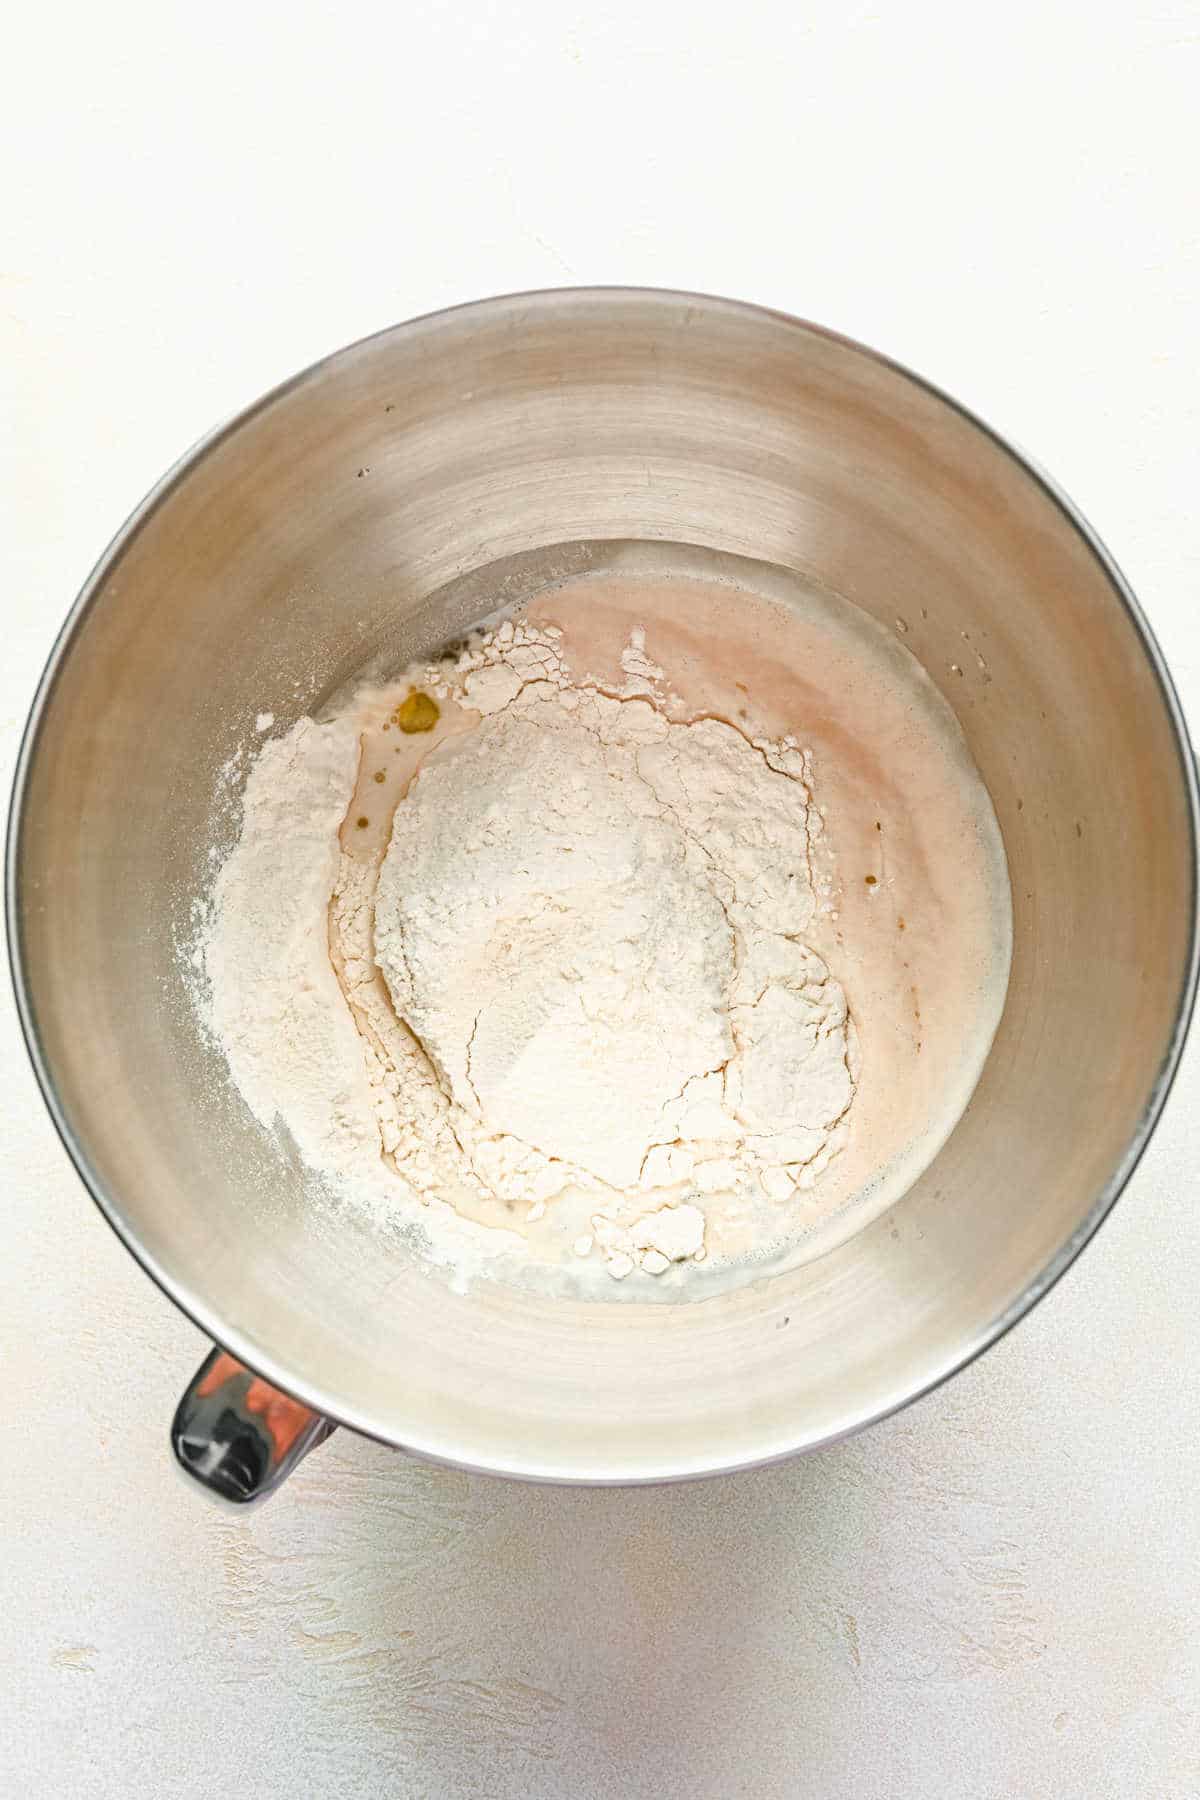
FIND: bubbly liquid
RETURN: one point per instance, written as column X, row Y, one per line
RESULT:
column 918, row 921
column 915, row 920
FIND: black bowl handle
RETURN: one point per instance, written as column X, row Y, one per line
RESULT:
column 238, row 1436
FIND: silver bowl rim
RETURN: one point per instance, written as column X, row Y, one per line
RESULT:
column 205, row 1316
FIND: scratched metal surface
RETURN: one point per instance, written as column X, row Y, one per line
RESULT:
column 992, row 1596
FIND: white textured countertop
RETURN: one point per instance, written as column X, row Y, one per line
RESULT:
column 995, row 1594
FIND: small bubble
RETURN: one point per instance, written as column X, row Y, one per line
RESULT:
column 380, row 775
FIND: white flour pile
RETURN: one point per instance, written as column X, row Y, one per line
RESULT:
column 569, row 1018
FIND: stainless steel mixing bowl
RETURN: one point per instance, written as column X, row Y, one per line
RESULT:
column 344, row 514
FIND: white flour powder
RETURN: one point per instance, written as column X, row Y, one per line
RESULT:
column 572, row 1005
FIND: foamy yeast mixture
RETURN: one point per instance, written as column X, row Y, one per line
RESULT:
column 654, row 939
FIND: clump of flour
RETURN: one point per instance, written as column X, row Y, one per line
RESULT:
column 566, row 1013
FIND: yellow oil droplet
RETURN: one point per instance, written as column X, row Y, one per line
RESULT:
column 870, row 880
column 363, row 822
column 418, row 713
column 380, row 775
